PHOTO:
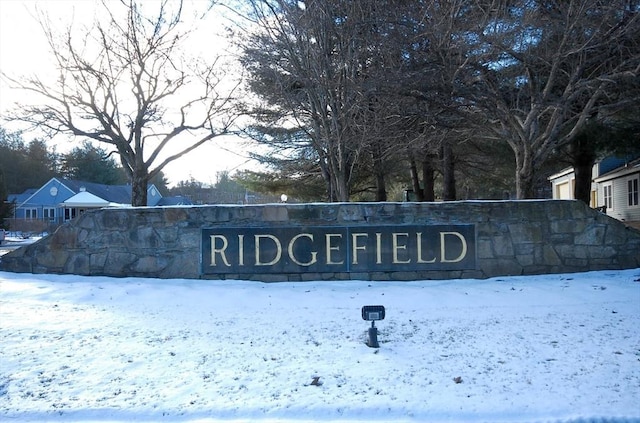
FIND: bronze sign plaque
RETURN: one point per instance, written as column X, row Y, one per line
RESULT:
column 302, row 249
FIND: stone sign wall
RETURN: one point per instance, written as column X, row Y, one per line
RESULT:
column 370, row 241
column 338, row 249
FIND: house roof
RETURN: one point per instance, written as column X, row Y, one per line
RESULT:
column 108, row 194
column 21, row 198
column 563, row 172
column 120, row 194
column 85, row 199
column 631, row 167
column 178, row 200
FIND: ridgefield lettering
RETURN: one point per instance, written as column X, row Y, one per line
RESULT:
column 337, row 249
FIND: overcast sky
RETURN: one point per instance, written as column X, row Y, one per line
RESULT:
column 24, row 51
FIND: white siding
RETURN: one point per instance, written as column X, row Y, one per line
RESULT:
column 621, row 209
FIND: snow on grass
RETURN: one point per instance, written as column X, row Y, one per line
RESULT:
column 538, row 348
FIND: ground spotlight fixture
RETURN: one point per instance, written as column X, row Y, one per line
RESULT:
column 373, row 313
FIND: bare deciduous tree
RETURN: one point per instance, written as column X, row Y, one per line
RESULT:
column 124, row 82
column 543, row 69
column 369, row 82
column 312, row 61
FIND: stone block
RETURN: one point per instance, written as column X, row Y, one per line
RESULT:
column 112, row 219
column 143, row 237
column 97, row 260
column 472, row 274
column 580, row 211
column 55, row 259
column 525, row 249
column 570, row 251
column 174, row 215
column 168, row 235
column 560, row 239
column 592, row 235
column 379, row 276
column 600, row 252
column 188, row 241
column 503, row 246
column 615, row 236
column 536, row 270
column 267, row 278
column 359, row 276
column 149, row 265
column 304, row 213
column 404, row 276
column 525, row 260
column 311, row 276
column 180, row 265
column 87, row 220
column 575, row 264
column 275, row 214
column 329, row 214
column 500, row 267
column 348, row 213
column 484, row 249
column 549, row 257
column 525, row 232
column 65, row 237
column 79, row 264
column 118, row 263
column 567, row 226
column 213, row 215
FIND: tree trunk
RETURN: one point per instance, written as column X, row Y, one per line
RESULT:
column 343, row 192
column 524, row 184
column 139, row 183
column 341, row 188
column 448, row 176
column 428, row 179
column 328, row 180
column 381, row 190
column 583, row 159
column 415, row 180
column 524, row 174
column 582, row 188
column 342, row 178
column 381, row 185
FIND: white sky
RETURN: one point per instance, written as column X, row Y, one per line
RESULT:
column 24, row 51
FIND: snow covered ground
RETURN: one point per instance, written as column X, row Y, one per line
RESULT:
column 511, row 349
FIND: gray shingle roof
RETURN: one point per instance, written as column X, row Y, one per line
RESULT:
column 112, row 193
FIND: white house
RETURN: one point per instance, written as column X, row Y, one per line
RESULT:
column 563, row 185
column 618, row 190
column 614, row 188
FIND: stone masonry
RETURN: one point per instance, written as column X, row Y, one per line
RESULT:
column 512, row 238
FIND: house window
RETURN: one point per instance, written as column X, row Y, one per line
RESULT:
column 608, row 196
column 632, row 189
column 30, row 213
column 49, row 213
column 69, row 214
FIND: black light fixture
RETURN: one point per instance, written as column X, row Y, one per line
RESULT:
column 373, row 313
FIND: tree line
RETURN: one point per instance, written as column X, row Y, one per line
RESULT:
column 29, row 165
column 355, row 100
column 354, row 95
column 26, row 165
